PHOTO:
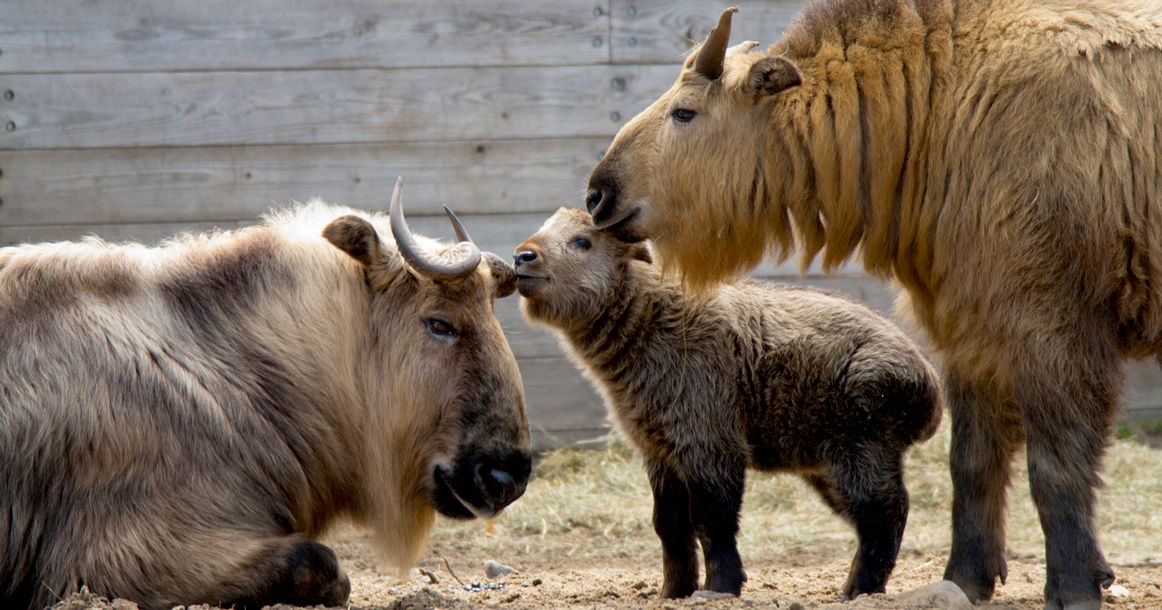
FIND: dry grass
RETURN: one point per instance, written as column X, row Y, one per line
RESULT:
column 596, row 503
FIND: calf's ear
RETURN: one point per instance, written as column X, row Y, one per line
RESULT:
column 641, row 252
column 357, row 238
column 502, row 274
column 770, row 75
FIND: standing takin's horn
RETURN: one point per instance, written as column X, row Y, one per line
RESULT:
column 421, row 261
column 713, row 52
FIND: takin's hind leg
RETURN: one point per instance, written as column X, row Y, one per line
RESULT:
column 985, row 434
column 289, row 570
column 866, row 487
column 1068, row 417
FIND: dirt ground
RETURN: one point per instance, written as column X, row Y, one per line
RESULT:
column 581, row 537
column 809, row 577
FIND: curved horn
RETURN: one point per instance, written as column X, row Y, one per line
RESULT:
column 417, row 258
column 457, row 226
column 713, row 52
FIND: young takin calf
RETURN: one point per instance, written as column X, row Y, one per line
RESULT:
column 780, row 378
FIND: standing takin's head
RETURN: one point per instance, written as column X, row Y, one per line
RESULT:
column 565, row 272
column 447, row 401
column 686, row 171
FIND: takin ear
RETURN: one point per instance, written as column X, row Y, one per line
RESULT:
column 357, row 238
column 771, row 75
column 502, row 274
column 641, row 252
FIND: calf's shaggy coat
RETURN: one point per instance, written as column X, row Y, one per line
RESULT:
column 1002, row 159
column 778, row 378
column 178, row 424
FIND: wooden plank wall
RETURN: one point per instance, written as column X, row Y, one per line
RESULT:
column 135, row 120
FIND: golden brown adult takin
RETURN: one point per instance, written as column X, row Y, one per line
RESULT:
column 178, row 425
column 1001, row 159
column 778, row 378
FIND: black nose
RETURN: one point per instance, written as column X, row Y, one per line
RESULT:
column 593, row 199
column 524, row 257
column 498, row 486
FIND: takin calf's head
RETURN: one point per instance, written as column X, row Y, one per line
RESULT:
column 445, row 385
column 566, row 271
column 686, row 170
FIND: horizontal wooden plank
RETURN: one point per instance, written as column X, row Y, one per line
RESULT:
column 117, row 186
column 558, row 399
column 322, row 106
column 498, row 233
column 663, row 32
column 156, row 35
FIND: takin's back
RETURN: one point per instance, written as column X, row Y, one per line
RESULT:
column 832, row 362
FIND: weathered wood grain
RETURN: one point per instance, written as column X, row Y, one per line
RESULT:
column 162, row 35
column 322, row 106
column 561, row 404
column 157, row 185
column 663, row 32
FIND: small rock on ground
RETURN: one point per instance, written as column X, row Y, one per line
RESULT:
column 494, row 569
column 943, row 595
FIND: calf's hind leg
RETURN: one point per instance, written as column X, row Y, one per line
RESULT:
column 865, row 486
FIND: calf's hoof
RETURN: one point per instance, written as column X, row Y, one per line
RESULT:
column 678, row 590
column 851, row 591
column 730, row 584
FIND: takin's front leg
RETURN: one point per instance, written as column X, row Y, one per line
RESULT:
column 985, row 433
column 674, row 528
column 290, row 570
column 716, row 488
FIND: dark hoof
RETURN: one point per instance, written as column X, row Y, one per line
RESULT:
column 677, row 591
column 314, row 578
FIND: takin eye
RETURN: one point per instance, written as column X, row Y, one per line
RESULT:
column 441, row 328
column 582, row 243
column 683, row 115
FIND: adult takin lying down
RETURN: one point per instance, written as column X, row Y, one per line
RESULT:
column 178, row 425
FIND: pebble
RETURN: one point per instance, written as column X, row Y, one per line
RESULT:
column 704, row 596
column 478, row 587
column 494, row 569
column 944, row 594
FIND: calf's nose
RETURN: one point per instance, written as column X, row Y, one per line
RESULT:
column 524, row 257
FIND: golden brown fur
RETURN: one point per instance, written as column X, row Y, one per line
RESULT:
column 1001, row 159
column 779, row 378
column 177, row 424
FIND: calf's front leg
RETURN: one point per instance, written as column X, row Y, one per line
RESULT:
column 715, row 503
column 674, row 528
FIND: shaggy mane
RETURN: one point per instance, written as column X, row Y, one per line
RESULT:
column 841, row 22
